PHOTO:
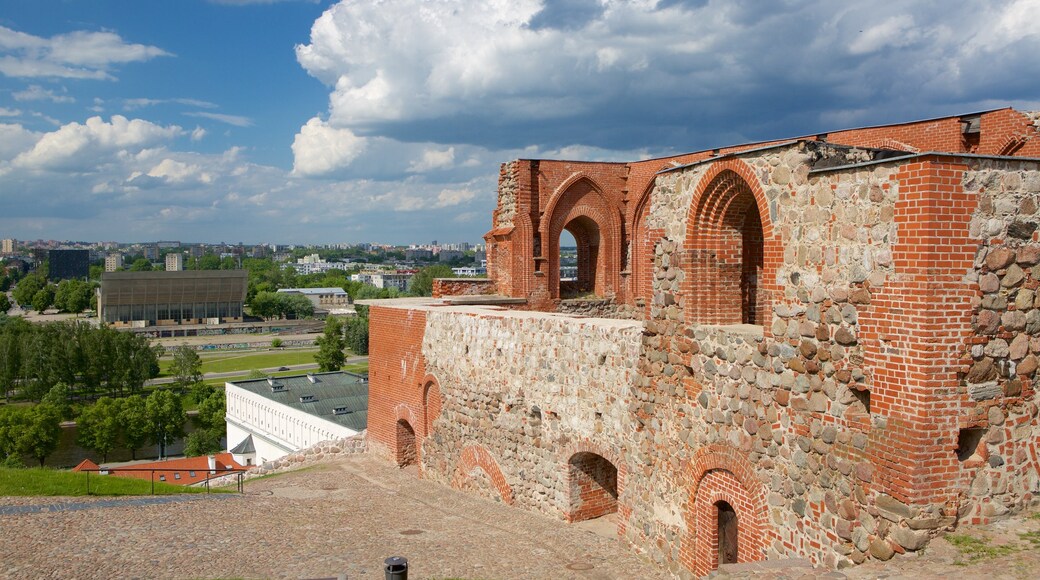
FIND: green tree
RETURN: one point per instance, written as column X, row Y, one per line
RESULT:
column 141, row 265
column 422, row 283
column 265, row 305
column 12, row 424
column 211, row 412
column 43, row 299
column 202, row 442
column 297, row 306
column 200, row 391
column 186, row 368
column 99, row 427
column 208, row 262
column 72, row 295
column 356, row 333
column 330, row 346
column 133, row 418
column 41, row 432
column 166, row 418
column 276, row 343
column 58, row 397
column 25, row 290
column 5, row 303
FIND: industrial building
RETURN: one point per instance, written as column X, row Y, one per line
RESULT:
column 141, row 299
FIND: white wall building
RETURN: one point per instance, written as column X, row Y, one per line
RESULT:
column 174, row 262
column 113, row 262
column 286, row 414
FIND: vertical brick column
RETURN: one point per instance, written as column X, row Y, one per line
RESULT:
column 914, row 332
column 395, row 373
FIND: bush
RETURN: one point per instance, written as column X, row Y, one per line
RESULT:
column 276, row 343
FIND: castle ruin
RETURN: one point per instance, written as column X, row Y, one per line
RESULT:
column 824, row 347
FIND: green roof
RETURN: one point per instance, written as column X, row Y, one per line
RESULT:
column 337, row 396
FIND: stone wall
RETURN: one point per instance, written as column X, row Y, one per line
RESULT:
column 526, row 387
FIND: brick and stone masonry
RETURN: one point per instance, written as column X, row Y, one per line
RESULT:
column 824, row 347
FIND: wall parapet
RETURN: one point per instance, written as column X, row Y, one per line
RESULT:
column 463, row 287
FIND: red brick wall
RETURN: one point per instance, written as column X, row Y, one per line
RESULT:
column 395, row 373
column 914, row 332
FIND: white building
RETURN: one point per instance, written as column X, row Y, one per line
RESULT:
column 332, row 300
column 113, row 262
column 269, row 418
column 174, row 262
column 470, row 271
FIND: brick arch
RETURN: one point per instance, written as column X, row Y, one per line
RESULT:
column 731, row 255
column 564, row 461
column 431, row 403
column 1011, row 144
column 406, row 442
column 580, row 197
column 721, row 473
column 477, row 456
column 642, row 253
column 889, row 143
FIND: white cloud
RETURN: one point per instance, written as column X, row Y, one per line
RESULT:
column 236, row 120
column 453, row 197
column 433, row 159
column 79, row 54
column 198, row 133
column 5, row 112
column 83, row 145
column 620, row 75
column 134, row 104
column 38, row 93
column 319, row 149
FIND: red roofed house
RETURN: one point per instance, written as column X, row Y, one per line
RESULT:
column 185, row 471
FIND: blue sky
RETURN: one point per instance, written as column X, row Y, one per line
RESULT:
column 301, row 121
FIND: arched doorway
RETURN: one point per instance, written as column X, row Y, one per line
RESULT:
column 580, row 208
column 579, row 263
column 405, row 444
column 727, row 533
column 592, row 482
column 726, row 253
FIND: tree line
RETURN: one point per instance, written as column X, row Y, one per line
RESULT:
column 90, row 361
column 67, row 296
column 131, row 423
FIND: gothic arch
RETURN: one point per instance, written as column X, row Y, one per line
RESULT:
column 642, row 252
column 731, row 256
column 478, row 457
column 580, row 206
column 719, row 473
column 1011, row 145
column 431, row 398
column 889, row 143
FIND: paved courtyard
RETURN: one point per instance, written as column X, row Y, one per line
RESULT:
column 326, row 521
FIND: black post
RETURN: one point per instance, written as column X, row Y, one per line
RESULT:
column 152, row 474
column 396, row 568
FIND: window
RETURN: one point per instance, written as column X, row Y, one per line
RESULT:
column 177, row 475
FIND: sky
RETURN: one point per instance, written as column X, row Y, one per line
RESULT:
column 385, row 121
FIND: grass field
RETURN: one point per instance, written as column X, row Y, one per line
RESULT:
column 246, row 361
column 53, row 482
column 361, row 368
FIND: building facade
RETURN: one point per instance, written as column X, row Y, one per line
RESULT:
column 143, row 299
column 278, row 416
column 113, row 261
column 822, row 347
column 174, row 262
column 68, row 264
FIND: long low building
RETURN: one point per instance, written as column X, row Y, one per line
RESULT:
column 270, row 418
column 141, row 299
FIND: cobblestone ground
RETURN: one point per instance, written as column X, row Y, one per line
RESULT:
column 340, row 518
column 343, row 519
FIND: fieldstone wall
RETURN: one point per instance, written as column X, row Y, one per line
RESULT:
column 508, row 191
column 597, row 308
column 999, row 388
column 320, row 452
column 527, row 386
column 462, row 287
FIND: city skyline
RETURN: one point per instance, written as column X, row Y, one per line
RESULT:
column 310, row 121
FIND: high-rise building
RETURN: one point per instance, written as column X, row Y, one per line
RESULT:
column 151, row 252
column 68, row 264
column 113, row 262
column 174, row 262
column 7, row 246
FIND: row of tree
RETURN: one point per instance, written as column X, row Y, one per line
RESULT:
column 109, row 424
column 281, row 305
column 90, row 361
column 67, row 296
